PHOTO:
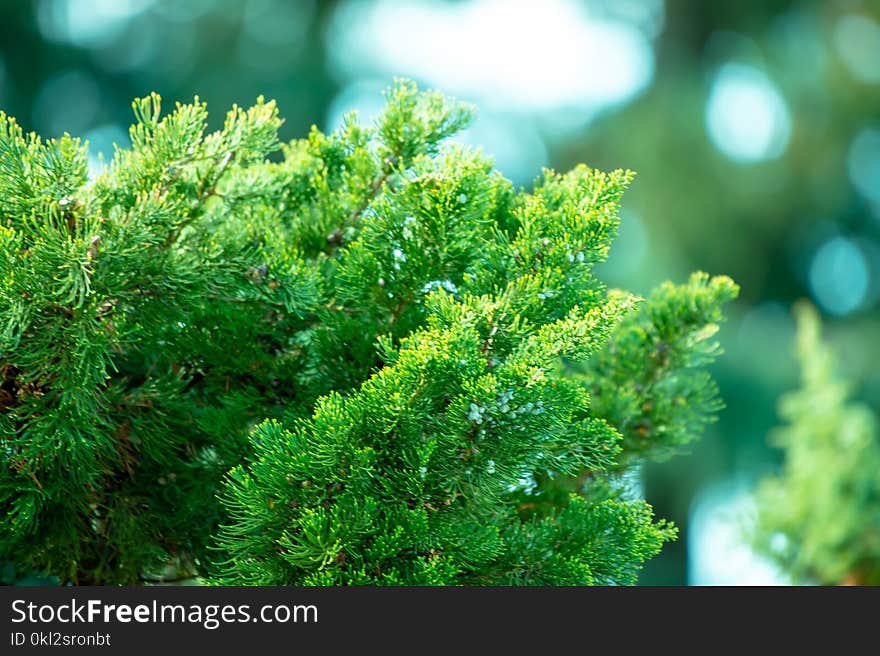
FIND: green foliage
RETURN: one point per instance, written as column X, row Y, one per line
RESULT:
column 373, row 333
column 430, row 472
column 819, row 519
column 129, row 378
column 650, row 381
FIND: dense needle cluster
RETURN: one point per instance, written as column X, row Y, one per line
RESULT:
column 361, row 357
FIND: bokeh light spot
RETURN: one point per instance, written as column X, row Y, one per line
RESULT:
column 721, row 517
column 863, row 163
column 101, row 146
column 857, row 39
column 95, row 23
column 514, row 144
column 839, row 276
column 67, row 102
column 746, row 115
column 517, row 55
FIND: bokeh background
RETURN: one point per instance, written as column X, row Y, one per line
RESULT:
column 754, row 127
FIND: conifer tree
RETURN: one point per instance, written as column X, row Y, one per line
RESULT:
column 819, row 518
column 407, row 366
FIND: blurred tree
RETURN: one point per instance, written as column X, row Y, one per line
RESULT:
column 819, row 519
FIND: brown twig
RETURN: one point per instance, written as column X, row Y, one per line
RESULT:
column 374, row 191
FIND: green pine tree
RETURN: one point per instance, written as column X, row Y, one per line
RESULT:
column 819, row 518
column 407, row 366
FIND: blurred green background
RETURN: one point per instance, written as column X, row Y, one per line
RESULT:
column 754, row 127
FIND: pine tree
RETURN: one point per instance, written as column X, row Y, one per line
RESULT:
column 406, row 366
column 819, row 518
